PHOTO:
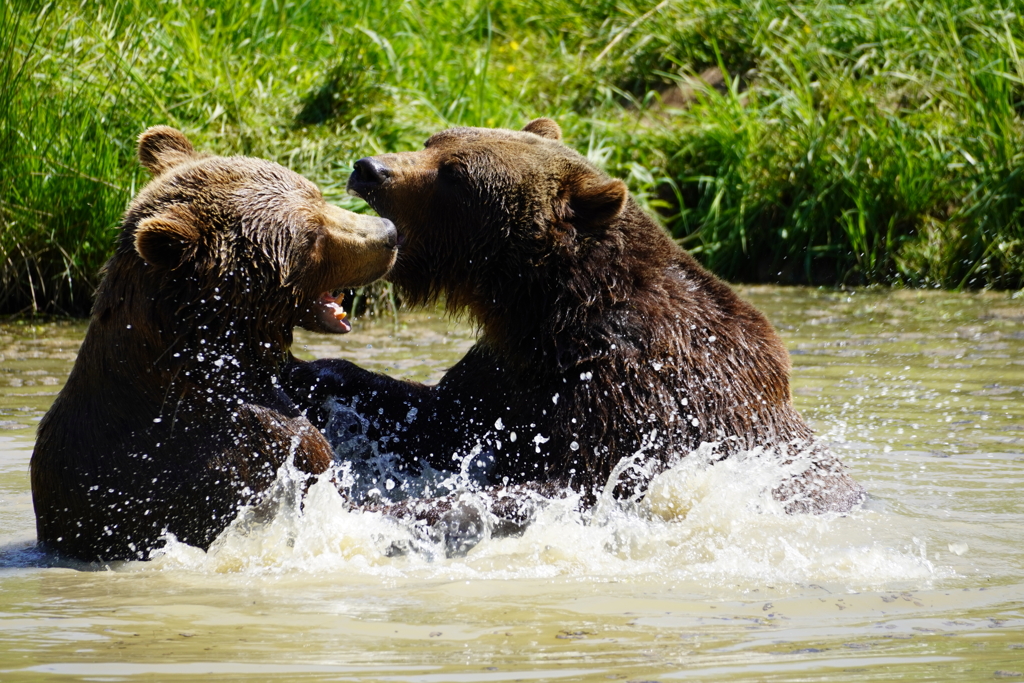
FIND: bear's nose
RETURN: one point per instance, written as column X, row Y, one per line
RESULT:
column 368, row 174
column 390, row 233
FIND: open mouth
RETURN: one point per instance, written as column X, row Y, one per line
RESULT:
column 330, row 313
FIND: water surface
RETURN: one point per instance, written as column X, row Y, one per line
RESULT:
column 921, row 393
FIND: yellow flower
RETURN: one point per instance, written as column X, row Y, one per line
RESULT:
column 510, row 68
column 514, row 45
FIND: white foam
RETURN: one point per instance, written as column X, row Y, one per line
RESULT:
column 715, row 523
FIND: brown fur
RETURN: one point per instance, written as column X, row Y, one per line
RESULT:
column 600, row 337
column 173, row 415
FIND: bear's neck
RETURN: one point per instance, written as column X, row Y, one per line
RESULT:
column 171, row 344
column 580, row 303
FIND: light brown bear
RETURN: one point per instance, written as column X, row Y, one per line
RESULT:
column 173, row 416
column 606, row 351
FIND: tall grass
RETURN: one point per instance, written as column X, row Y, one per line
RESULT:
column 878, row 142
column 867, row 142
column 65, row 178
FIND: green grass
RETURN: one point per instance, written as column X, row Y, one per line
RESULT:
column 879, row 143
column 856, row 143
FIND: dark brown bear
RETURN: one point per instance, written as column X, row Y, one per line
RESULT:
column 601, row 339
column 173, row 415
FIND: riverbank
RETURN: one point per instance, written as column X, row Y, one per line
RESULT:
column 875, row 142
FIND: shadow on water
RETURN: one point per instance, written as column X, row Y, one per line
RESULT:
column 32, row 555
column 25, row 555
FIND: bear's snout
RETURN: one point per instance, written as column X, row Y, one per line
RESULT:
column 388, row 234
column 367, row 175
column 380, row 233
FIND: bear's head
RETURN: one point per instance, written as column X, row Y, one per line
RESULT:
column 485, row 212
column 245, row 241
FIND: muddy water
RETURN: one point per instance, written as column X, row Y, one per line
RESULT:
column 922, row 394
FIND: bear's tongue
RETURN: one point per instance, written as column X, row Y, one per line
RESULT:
column 331, row 314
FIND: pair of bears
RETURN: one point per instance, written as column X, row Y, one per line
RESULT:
column 605, row 350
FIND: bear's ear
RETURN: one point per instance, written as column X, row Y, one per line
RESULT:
column 165, row 239
column 546, row 128
column 162, row 147
column 596, row 202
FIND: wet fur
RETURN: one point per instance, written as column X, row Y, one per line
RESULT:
column 173, row 415
column 600, row 337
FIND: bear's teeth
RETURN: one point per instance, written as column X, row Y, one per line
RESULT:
column 337, row 310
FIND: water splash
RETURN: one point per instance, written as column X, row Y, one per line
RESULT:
column 714, row 523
